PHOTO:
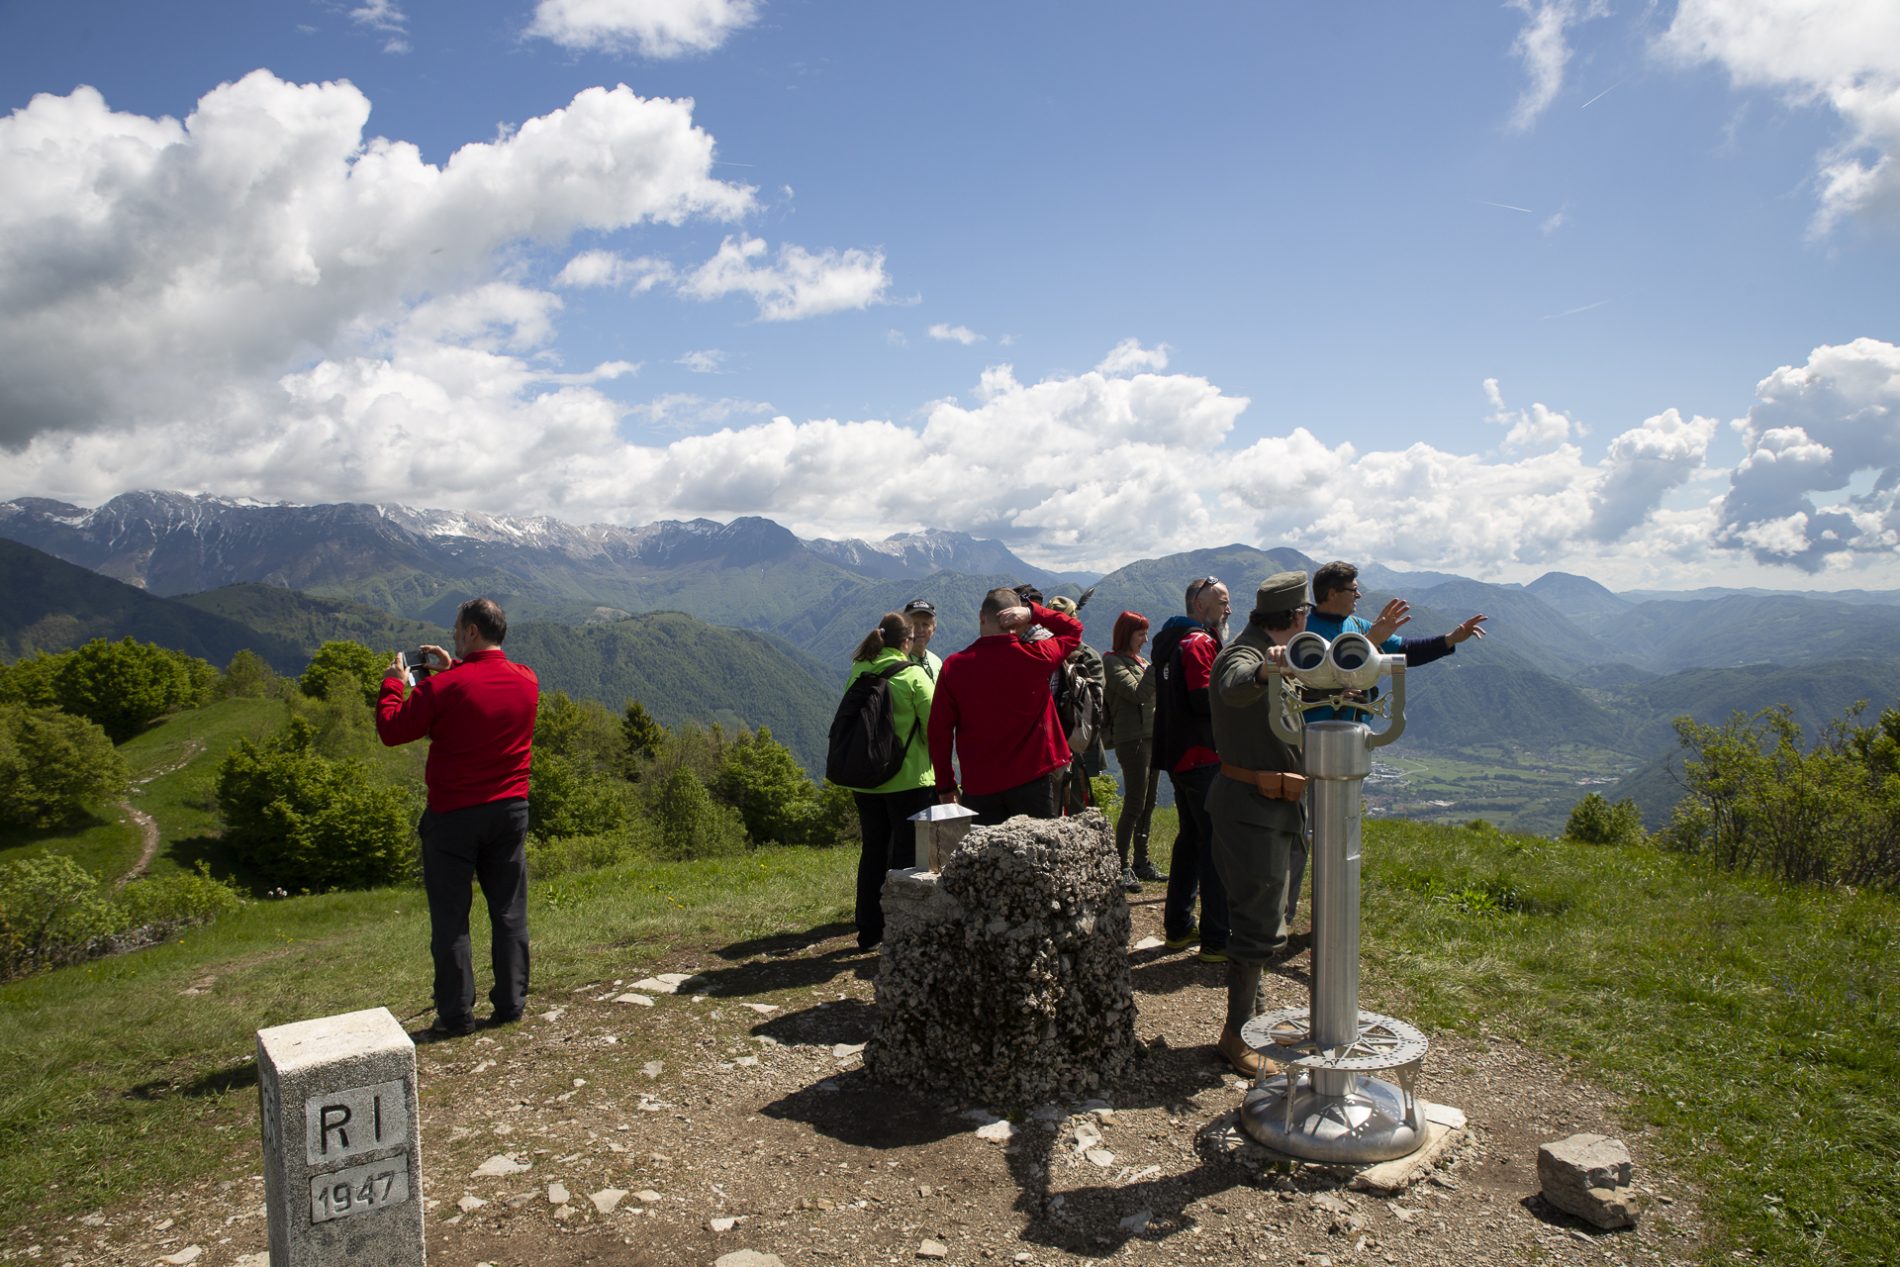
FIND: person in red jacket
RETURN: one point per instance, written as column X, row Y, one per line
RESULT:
column 477, row 709
column 994, row 708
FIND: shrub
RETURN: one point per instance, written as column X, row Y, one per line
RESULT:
column 51, row 764
column 690, row 823
column 184, row 898
column 299, row 819
column 1595, row 821
column 1757, row 800
column 1105, row 794
column 836, row 819
column 53, row 911
column 47, row 905
column 569, row 798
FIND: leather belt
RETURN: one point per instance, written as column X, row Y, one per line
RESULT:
column 1272, row 784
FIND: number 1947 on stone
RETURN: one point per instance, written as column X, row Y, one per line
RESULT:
column 358, row 1190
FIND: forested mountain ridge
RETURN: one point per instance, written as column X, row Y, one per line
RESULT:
column 51, row 605
column 1567, row 663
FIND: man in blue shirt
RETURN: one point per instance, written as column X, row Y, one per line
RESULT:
column 1336, row 593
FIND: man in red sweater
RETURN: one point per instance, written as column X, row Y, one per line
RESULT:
column 477, row 709
column 994, row 707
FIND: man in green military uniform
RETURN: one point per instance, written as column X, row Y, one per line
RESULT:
column 1259, row 822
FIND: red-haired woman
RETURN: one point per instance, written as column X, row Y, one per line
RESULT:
column 1131, row 728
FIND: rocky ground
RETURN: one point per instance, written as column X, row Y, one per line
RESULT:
column 717, row 1103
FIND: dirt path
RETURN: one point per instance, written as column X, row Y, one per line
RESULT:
column 148, row 829
column 737, row 1115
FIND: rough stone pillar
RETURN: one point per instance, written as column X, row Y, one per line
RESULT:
column 1004, row 978
column 342, row 1142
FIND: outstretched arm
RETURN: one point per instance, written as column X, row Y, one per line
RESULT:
column 1395, row 613
column 1473, row 627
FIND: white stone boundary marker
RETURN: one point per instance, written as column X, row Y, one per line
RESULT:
column 342, row 1142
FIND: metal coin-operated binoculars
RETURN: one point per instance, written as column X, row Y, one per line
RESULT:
column 1328, row 1103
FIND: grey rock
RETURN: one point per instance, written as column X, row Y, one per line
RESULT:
column 1589, row 1176
column 748, row 1258
column 1004, row 977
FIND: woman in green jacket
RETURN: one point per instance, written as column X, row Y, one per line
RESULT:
column 1130, row 705
column 890, row 839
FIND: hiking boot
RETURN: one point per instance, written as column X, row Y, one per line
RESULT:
column 1186, row 939
column 452, row 1029
column 1213, row 954
column 1145, row 871
column 1129, row 883
column 1234, row 1049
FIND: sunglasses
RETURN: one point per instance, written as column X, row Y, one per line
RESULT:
column 1194, row 590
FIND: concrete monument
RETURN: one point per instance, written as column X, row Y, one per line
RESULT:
column 342, row 1142
column 1004, row 975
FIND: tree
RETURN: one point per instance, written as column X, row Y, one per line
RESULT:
column 300, row 820
column 579, row 730
column 569, row 798
column 32, row 681
column 248, row 677
column 51, row 764
column 691, row 824
column 642, row 736
column 762, row 780
column 127, row 685
column 350, row 661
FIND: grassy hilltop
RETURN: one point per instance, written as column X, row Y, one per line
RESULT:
column 1748, row 1026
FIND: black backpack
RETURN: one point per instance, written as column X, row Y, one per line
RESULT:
column 864, row 751
column 1078, row 704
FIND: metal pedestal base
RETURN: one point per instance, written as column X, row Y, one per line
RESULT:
column 1326, row 1105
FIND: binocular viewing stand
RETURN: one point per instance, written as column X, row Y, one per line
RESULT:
column 1343, row 1092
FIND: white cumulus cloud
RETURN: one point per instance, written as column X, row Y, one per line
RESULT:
column 1128, row 357
column 1842, row 54
column 796, row 283
column 954, row 334
column 146, row 264
column 1813, row 430
column 1538, row 427
column 652, row 28
column 606, row 268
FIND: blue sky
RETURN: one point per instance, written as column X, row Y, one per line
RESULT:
column 1493, row 288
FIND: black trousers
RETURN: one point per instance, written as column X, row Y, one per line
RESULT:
column 1036, row 798
column 485, row 844
column 890, row 844
column 1191, row 869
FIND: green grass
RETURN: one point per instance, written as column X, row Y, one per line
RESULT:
column 137, row 1085
column 175, row 773
column 104, row 842
column 1754, row 1025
